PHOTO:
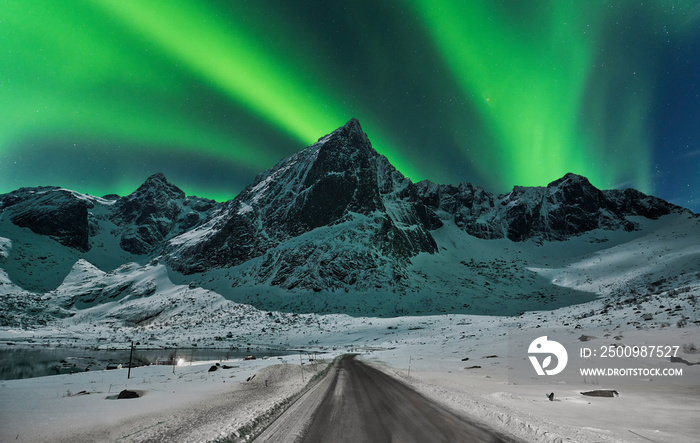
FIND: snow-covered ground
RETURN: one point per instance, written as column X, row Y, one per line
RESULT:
column 613, row 282
column 48, row 408
column 647, row 410
column 181, row 403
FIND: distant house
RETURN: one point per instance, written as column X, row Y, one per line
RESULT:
column 114, row 366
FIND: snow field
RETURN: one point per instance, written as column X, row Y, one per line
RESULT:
column 182, row 403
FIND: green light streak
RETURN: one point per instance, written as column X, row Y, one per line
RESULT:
column 142, row 76
column 71, row 71
column 527, row 82
column 229, row 55
column 554, row 86
column 226, row 56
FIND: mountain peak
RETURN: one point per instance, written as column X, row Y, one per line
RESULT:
column 149, row 214
column 349, row 135
column 571, row 179
column 339, row 182
column 158, row 184
column 353, row 127
column 157, row 177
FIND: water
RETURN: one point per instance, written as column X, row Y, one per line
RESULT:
column 20, row 362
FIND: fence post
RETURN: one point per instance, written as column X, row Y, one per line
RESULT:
column 131, row 354
column 301, row 365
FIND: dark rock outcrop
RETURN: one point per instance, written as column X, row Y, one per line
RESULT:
column 58, row 213
column 156, row 211
column 341, row 182
column 567, row 207
column 125, row 394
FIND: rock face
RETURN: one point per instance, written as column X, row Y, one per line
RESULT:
column 51, row 211
column 567, row 207
column 127, row 394
column 143, row 220
column 336, row 215
column 337, row 206
column 156, row 211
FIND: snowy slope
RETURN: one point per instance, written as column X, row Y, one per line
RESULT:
column 50, row 228
column 664, row 255
column 336, row 229
column 335, row 250
column 566, row 207
column 338, row 192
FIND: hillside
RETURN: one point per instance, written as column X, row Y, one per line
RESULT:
column 335, row 229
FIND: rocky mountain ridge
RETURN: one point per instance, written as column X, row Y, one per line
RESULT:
column 564, row 208
column 334, row 215
column 142, row 220
column 372, row 214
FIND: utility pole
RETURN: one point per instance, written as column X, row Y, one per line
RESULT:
column 301, row 365
column 131, row 354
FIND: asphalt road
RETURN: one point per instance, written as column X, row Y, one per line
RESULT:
column 357, row 403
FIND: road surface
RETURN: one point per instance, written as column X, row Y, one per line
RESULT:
column 357, row 403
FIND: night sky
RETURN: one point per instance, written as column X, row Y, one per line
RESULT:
column 97, row 95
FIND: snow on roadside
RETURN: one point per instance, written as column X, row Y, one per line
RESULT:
column 478, row 387
column 525, row 412
column 182, row 403
column 436, row 347
column 661, row 299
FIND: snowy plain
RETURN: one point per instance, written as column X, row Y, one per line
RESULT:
column 51, row 408
column 645, row 281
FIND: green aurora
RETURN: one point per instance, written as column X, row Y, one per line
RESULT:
column 97, row 95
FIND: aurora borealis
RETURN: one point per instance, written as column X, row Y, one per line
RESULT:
column 98, row 94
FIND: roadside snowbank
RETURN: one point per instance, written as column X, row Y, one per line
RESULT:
column 479, row 387
column 654, row 414
column 43, row 409
column 182, row 403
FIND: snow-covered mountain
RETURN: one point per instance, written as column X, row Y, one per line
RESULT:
column 567, row 207
column 50, row 228
column 333, row 228
column 57, row 213
column 335, row 214
column 155, row 212
column 142, row 220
